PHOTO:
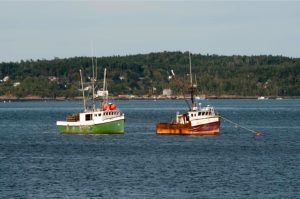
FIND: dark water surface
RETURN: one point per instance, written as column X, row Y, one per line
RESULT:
column 38, row 162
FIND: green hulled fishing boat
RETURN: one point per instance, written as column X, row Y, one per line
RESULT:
column 105, row 119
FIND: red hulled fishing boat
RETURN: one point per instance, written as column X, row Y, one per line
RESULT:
column 196, row 121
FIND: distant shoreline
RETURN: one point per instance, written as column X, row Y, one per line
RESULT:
column 39, row 98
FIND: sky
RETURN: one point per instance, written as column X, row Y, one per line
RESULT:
column 50, row 29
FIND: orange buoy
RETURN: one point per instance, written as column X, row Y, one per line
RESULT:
column 105, row 107
column 112, row 107
column 258, row 134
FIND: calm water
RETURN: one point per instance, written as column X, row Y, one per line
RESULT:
column 38, row 162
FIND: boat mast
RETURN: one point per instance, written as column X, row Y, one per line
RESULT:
column 191, row 79
column 84, row 105
column 93, row 78
column 104, row 87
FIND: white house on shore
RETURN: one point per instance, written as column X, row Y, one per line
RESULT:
column 167, row 92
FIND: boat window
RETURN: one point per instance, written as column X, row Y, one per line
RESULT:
column 99, row 114
column 199, row 113
column 88, row 117
column 95, row 115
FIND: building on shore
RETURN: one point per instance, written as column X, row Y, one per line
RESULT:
column 167, row 92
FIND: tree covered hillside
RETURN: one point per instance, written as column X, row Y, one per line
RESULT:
column 139, row 74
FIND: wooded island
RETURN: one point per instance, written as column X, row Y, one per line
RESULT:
column 147, row 75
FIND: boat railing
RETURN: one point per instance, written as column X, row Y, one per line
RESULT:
column 73, row 117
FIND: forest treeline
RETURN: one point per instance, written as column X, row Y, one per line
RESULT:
column 147, row 74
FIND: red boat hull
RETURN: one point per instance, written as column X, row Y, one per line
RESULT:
column 212, row 128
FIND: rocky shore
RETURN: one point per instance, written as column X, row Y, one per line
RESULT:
column 133, row 97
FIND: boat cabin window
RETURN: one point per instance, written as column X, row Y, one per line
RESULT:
column 88, row 117
column 95, row 115
column 99, row 114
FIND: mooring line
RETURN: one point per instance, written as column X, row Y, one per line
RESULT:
column 230, row 121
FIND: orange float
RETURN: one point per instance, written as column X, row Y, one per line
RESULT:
column 105, row 107
column 112, row 107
